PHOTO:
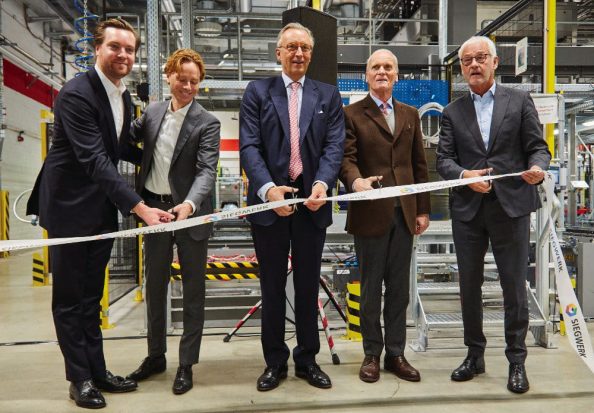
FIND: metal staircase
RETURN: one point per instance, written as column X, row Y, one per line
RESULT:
column 422, row 293
column 426, row 321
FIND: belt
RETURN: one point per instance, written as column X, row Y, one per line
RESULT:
column 166, row 199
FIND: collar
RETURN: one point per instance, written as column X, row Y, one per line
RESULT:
column 287, row 80
column 183, row 111
column 110, row 88
column 491, row 89
column 380, row 102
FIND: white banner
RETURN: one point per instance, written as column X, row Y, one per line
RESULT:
column 577, row 329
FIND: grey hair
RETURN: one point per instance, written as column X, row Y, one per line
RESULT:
column 295, row 26
column 479, row 39
column 382, row 50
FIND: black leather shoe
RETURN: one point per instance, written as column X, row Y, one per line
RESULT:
column 183, row 379
column 149, row 366
column 115, row 384
column 470, row 367
column 517, row 381
column 314, row 376
column 271, row 377
column 85, row 394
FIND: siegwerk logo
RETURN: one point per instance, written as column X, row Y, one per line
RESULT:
column 571, row 310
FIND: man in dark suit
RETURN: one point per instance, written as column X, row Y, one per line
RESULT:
column 384, row 142
column 181, row 151
column 291, row 140
column 492, row 129
column 78, row 193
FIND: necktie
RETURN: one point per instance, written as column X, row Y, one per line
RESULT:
column 295, row 165
column 384, row 108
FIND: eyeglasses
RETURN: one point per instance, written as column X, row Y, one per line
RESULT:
column 293, row 47
column 480, row 58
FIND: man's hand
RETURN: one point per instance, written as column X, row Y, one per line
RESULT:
column 152, row 216
column 313, row 203
column 365, row 184
column 422, row 224
column 482, row 187
column 534, row 175
column 182, row 211
column 277, row 193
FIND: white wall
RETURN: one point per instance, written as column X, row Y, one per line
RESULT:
column 21, row 161
column 229, row 160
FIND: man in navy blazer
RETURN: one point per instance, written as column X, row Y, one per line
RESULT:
column 78, row 193
column 492, row 129
column 291, row 144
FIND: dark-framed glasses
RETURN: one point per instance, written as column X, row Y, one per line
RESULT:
column 480, row 58
column 293, row 47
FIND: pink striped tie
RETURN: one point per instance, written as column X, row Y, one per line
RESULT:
column 295, row 165
column 384, row 108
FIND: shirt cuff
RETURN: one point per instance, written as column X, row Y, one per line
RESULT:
column 462, row 174
column 323, row 183
column 192, row 204
column 263, row 189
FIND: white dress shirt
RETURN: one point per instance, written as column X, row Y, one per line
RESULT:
column 157, row 180
column 114, row 93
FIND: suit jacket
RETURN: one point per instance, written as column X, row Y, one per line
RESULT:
column 372, row 149
column 79, row 188
column 515, row 144
column 194, row 163
column 264, row 139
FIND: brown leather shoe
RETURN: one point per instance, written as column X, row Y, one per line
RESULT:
column 401, row 368
column 369, row 371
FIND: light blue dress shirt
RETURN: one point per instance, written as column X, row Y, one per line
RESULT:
column 483, row 106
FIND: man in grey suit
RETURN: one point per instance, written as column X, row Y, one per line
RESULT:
column 181, row 151
column 492, row 129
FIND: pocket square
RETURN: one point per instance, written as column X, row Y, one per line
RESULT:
column 320, row 111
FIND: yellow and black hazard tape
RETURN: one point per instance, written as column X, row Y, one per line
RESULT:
column 38, row 271
column 221, row 271
column 353, row 331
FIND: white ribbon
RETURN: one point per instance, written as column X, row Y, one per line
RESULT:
column 577, row 329
column 380, row 193
column 573, row 316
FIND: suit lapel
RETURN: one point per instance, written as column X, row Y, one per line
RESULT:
column 278, row 94
column 127, row 119
column 308, row 106
column 106, row 106
column 501, row 100
column 373, row 112
column 190, row 122
column 156, row 118
column 469, row 115
column 399, row 117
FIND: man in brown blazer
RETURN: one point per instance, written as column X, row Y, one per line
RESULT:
column 384, row 142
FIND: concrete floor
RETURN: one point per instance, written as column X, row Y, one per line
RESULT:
column 32, row 371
